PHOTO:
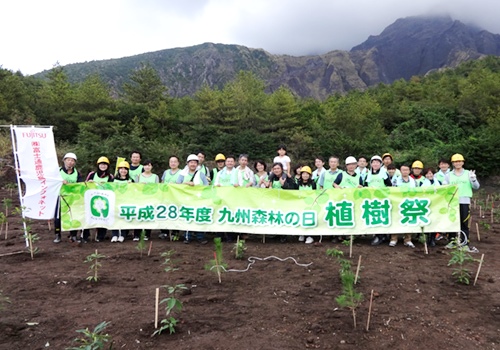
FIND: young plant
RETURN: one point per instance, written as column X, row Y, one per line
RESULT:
column 3, row 300
column 93, row 340
column 32, row 239
column 3, row 220
column 485, row 225
column 141, row 245
column 172, row 306
column 95, row 265
column 7, row 203
column 168, row 262
column 11, row 186
column 239, row 249
column 460, row 257
column 349, row 297
column 218, row 261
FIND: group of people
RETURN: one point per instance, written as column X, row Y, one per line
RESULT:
column 379, row 171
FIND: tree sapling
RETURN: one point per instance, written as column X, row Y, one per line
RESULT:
column 93, row 340
column 217, row 262
column 460, row 257
column 239, row 248
column 95, row 265
column 172, row 306
column 141, row 245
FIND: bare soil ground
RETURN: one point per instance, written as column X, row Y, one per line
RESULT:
column 274, row 305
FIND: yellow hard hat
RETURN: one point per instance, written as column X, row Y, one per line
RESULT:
column 417, row 164
column 220, row 156
column 103, row 160
column 457, row 157
column 124, row 164
column 306, row 169
column 387, row 155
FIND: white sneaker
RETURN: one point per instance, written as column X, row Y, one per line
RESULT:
column 301, row 238
column 114, row 239
column 470, row 249
column 146, row 238
column 309, row 240
column 121, row 239
column 136, row 239
column 393, row 243
column 410, row 244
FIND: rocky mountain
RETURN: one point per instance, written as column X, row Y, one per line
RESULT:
column 410, row 46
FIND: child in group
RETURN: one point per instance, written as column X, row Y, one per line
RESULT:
column 146, row 177
column 444, row 169
column 283, row 159
column 306, row 183
column 243, row 175
column 101, row 175
column 296, row 172
column 122, row 177
column 403, row 181
column 416, row 172
column 377, row 178
column 261, row 175
column 466, row 181
column 319, row 163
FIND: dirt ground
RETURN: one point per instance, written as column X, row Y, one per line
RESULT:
column 274, row 305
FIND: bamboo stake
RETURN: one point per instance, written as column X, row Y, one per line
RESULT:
column 217, row 266
column 492, row 217
column 369, row 312
column 1, row 229
column 354, row 317
column 157, row 305
column 6, row 228
column 480, row 211
column 477, row 230
column 50, row 228
column 264, row 239
column 425, row 248
column 13, row 253
column 350, row 247
column 31, row 245
column 150, row 246
column 357, row 270
column 478, row 269
column 237, row 245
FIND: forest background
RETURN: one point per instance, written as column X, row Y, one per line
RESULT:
column 426, row 118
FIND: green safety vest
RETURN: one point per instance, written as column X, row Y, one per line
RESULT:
column 403, row 184
column 376, row 180
column 440, row 176
column 135, row 173
column 276, row 184
column 330, row 178
column 225, row 178
column 463, row 182
column 147, row 180
column 120, row 181
column 349, row 181
column 71, row 178
column 169, row 177
column 305, row 187
column 418, row 182
column 98, row 179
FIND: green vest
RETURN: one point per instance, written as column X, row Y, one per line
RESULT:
column 420, row 181
column 330, row 178
column 225, row 178
column 305, row 187
column 147, row 180
column 70, row 178
column 120, row 181
column 276, row 184
column 349, row 181
column 169, row 178
column 135, row 173
column 463, row 182
column 441, row 176
column 98, row 179
column 376, row 180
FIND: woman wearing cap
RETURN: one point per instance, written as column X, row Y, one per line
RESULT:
column 377, row 178
column 220, row 160
column 101, row 175
column 122, row 177
column 306, row 183
column 466, row 181
column 69, row 175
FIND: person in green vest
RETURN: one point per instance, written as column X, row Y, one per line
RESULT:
column 146, row 177
column 122, row 177
column 306, row 183
column 261, row 174
column 243, row 175
column 386, row 160
column 319, row 163
column 377, row 178
column 466, row 181
column 220, row 160
column 202, row 167
column 135, row 164
column 349, row 178
column 170, row 175
column 431, row 180
column 101, row 175
column 329, row 177
column 69, row 175
column 444, row 169
column 224, row 177
column 416, row 172
column 193, row 177
column 362, row 169
column 404, row 181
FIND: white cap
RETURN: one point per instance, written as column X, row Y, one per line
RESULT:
column 70, row 155
column 350, row 160
column 192, row 157
column 376, row 158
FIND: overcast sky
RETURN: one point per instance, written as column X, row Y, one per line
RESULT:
column 38, row 33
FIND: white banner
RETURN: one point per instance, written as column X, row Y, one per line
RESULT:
column 39, row 169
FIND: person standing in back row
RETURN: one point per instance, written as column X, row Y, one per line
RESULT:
column 283, row 159
column 136, row 167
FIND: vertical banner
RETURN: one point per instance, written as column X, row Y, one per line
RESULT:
column 39, row 170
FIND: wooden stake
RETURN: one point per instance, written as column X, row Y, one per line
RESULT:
column 369, row 312
column 237, row 245
column 263, row 238
column 157, row 305
column 354, row 317
column 477, row 230
column 6, row 228
column 350, row 246
column 492, row 217
column 478, row 269
column 31, row 245
column 50, row 228
column 357, row 270
column 480, row 211
column 217, row 266
column 13, row 253
column 150, row 246
column 425, row 248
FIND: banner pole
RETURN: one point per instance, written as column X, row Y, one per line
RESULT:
column 17, row 170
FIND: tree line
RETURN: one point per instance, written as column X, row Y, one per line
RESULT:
column 426, row 118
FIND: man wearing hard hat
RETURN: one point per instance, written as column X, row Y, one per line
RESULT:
column 466, row 181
